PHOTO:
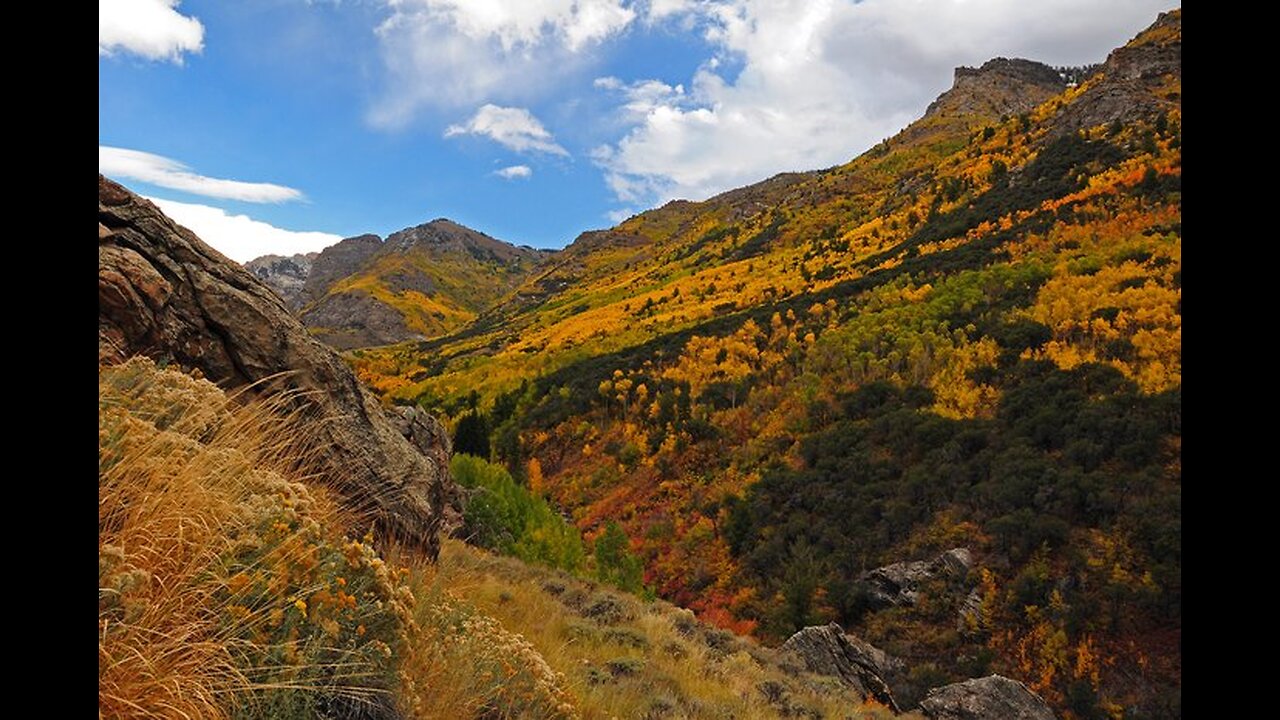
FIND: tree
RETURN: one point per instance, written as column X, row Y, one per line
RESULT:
column 472, row 435
column 614, row 562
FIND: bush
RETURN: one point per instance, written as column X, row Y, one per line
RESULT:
column 505, row 517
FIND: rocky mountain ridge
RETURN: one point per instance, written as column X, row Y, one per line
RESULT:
column 419, row 282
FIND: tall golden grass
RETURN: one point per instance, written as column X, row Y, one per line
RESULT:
column 181, row 467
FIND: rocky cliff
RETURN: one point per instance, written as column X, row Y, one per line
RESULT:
column 286, row 275
column 1139, row 81
column 163, row 293
column 1002, row 86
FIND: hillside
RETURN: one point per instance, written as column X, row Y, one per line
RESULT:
column 420, row 282
column 969, row 336
column 231, row 585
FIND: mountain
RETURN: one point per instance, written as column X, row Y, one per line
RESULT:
column 164, row 294
column 794, row 395
column 285, row 275
column 421, row 282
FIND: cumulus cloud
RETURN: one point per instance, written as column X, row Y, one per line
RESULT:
column 513, row 128
column 164, row 172
column 240, row 237
column 153, row 29
column 815, row 83
column 514, row 171
column 451, row 53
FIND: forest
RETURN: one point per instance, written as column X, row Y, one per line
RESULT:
column 970, row 336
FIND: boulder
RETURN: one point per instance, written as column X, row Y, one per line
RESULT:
column 164, row 293
column 827, row 650
column 990, row 698
column 899, row 584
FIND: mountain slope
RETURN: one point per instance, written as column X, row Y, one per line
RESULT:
column 421, row 282
column 229, row 589
column 969, row 335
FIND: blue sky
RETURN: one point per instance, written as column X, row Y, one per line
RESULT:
column 283, row 125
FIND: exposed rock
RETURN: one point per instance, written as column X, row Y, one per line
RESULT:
column 899, row 584
column 336, row 262
column 990, row 698
column 163, row 293
column 827, row 650
column 425, row 432
column 1000, row 87
column 1138, row 81
column 355, row 319
column 286, row 275
column 970, row 614
column 443, row 236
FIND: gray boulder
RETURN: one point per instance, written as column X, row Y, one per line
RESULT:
column 899, row 584
column 990, row 698
column 827, row 650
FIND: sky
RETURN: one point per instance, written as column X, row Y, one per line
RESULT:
column 281, row 126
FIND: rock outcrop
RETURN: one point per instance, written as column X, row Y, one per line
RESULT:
column 1000, row 87
column 990, row 698
column 286, row 275
column 355, row 319
column 340, row 260
column 899, row 584
column 1140, row 80
column 827, row 650
column 163, row 293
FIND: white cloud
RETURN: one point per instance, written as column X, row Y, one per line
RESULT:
column 452, row 53
column 514, row 171
column 165, row 172
column 153, row 29
column 240, row 237
column 617, row 216
column 514, row 128
column 816, row 82
column 662, row 9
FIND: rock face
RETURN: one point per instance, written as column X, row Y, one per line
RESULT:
column 899, row 584
column 1000, row 87
column 286, row 275
column 336, row 262
column 1140, row 80
column 827, row 650
column 355, row 319
column 990, row 698
column 163, row 293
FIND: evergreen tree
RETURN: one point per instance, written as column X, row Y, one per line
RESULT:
column 472, row 435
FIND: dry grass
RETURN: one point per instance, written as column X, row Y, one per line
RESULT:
column 621, row 657
column 185, row 478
